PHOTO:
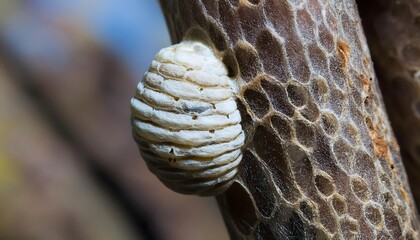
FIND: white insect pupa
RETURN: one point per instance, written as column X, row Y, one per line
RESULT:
column 186, row 122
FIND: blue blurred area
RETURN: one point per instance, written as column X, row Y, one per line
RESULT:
column 134, row 30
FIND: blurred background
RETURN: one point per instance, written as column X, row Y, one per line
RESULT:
column 69, row 168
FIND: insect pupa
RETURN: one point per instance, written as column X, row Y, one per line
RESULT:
column 186, row 122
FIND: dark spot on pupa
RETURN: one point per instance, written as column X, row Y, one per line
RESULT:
column 194, row 110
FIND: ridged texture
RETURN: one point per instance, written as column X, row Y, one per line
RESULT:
column 320, row 160
column 393, row 30
column 186, row 122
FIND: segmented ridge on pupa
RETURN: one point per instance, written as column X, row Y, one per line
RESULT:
column 185, row 120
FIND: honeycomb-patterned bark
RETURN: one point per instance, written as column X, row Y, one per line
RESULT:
column 393, row 30
column 320, row 160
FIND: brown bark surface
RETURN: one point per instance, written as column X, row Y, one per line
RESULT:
column 393, row 31
column 320, row 159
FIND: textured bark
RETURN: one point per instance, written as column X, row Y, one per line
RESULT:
column 393, row 31
column 320, row 159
